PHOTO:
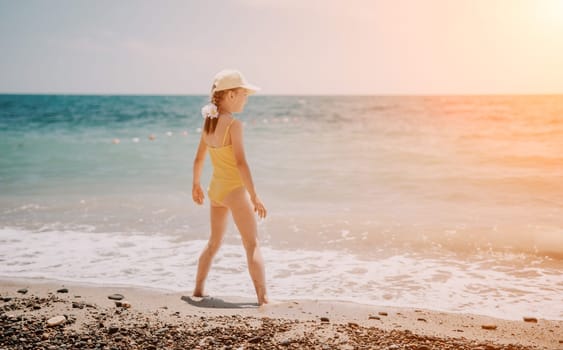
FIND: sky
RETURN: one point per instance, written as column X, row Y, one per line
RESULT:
column 287, row 47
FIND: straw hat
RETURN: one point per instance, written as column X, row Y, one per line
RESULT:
column 231, row 79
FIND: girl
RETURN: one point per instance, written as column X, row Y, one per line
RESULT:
column 231, row 187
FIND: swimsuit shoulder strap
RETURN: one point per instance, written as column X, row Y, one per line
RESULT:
column 227, row 132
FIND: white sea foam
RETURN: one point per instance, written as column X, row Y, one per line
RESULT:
column 502, row 286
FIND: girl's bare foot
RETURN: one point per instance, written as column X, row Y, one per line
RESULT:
column 199, row 294
column 264, row 301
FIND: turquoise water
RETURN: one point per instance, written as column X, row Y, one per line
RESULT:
column 378, row 189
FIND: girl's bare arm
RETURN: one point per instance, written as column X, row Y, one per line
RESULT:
column 244, row 169
column 240, row 157
column 197, row 192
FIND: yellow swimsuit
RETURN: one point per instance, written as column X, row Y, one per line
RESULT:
column 226, row 176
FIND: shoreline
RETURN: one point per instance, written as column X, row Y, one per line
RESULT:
column 282, row 323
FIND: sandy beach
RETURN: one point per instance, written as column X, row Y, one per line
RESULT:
column 159, row 319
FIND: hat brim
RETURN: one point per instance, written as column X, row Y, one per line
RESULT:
column 252, row 89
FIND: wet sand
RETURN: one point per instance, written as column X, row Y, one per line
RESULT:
column 160, row 319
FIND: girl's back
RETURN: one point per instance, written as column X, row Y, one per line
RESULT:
column 215, row 139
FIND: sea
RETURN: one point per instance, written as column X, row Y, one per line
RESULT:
column 449, row 203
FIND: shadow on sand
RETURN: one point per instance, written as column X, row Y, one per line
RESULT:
column 216, row 303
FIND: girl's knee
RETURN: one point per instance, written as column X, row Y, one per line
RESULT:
column 213, row 247
column 251, row 244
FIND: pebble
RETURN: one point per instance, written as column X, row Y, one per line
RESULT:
column 382, row 313
column 372, row 317
column 325, row 320
column 285, row 342
column 22, row 291
column 161, row 330
column 62, row 290
column 6, row 299
column 530, row 319
column 421, row 319
column 255, row 340
column 207, row 341
column 55, row 321
column 115, row 297
column 489, row 326
column 486, row 347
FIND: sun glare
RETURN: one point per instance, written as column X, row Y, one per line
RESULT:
column 550, row 11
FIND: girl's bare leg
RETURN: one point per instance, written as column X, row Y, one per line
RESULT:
column 243, row 215
column 218, row 216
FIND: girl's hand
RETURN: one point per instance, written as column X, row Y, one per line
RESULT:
column 259, row 207
column 197, row 194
